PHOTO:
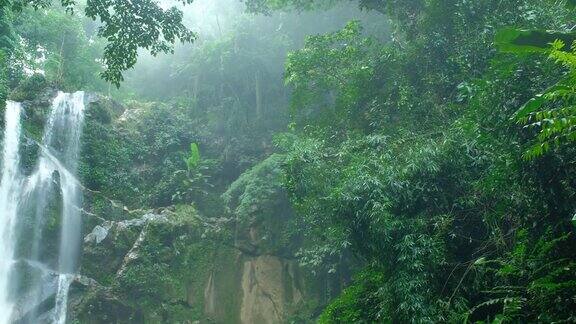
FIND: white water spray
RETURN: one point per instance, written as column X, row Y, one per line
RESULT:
column 64, row 281
column 9, row 198
column 19, row 196
column 59, row 152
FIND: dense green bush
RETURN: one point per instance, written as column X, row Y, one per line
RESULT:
column 29, row 88
column 407, row 155
column 359, row 303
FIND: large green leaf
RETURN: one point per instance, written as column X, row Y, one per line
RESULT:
column 194, row 158
column 535, row 103
column 521, row 41
column 531, row 106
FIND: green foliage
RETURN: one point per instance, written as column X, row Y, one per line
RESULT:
column 7, row 35
column 7, row 40
column 258, row 192
column 333, row 74
column 194, row 158
column 3, row 78
column 381, row 200
column 159, row 271
column 402, row 158
column 552, row 113
column 266, row 6
column 257, row 200
column 519, row 41
column 116, row 157
column 535, row 278
column 29, row 88
column 126, row 27
column 404, row 155
column 67, row 56
column 359, row 302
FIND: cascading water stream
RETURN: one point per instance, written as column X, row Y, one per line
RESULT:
column 9, row 199
column 53, row 183
column 62, row 136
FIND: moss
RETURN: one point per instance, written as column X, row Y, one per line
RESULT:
column 225, row 266
column 98, row 112
column 167, row 280
column 30, row 88
column 99, row 306
column 3, row 83
column 159, row 281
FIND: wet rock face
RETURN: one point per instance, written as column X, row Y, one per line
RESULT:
column 103, row 109
column 260, row 290
column 269, row 285
column 91, row 303
column 125, row 286
column 218, row 284
column 97, row 235
column 34, row 300
column 112, row 244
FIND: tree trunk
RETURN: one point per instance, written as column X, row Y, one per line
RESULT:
column 258, row 90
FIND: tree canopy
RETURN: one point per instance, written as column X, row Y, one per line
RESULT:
column 126, row 26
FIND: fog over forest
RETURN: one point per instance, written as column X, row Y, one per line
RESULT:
column 287, row 161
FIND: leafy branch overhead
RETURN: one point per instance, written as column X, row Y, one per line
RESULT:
column 552, row 113
column 126, row 25
column 129, row 25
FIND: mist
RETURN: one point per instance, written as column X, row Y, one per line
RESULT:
column 287, row 161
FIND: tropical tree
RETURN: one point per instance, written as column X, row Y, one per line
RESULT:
column 126, row 26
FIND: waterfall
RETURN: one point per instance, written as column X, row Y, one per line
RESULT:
column 53, row 183
column 64, row 281
column 59, row 153
column 62, row 136
column 9, row 199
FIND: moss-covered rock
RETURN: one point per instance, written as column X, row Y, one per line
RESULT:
column 170, row 268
